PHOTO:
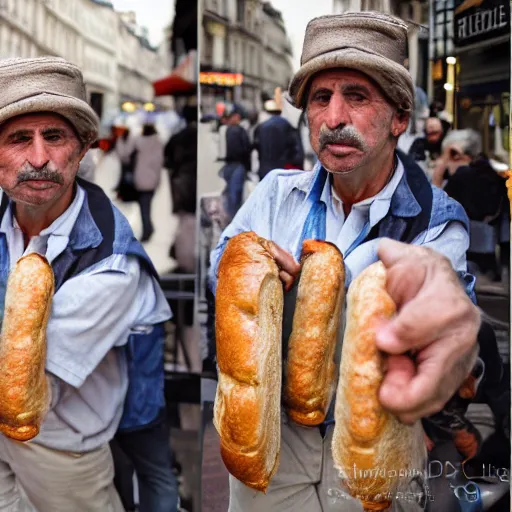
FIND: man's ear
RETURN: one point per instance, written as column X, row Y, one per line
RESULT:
column 400, row 122
column 83, row 149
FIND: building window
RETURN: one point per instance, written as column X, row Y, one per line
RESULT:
column 240, row 11
column 442, row 33
column 207, row 50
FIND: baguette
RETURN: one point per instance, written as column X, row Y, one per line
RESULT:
column 310, row 368
column 374, row 452
column 24, row 395
column 249, row 311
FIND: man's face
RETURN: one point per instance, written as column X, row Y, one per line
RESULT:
column 235, row 119
column 39, row 158
column 433, row 130
column 454, row 157
column 350, row 120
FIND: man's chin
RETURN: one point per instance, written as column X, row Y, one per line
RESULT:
column 32, row 197
column 340, row 165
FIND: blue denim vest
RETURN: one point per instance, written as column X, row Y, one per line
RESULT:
column 100, row 231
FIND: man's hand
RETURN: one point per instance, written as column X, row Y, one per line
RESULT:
column 288, row 268
column 436, row 321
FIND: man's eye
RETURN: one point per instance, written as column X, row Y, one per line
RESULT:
column 19, row 140
column 322, row 98
column 52, row 138
column 354, row 96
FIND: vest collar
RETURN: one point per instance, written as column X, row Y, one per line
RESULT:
column 85, row 233
column 403, row 202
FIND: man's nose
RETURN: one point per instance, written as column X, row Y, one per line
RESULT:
column 39, row 155
column 337, row 112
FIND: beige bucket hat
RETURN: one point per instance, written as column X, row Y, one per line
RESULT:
column 373, row 43
column 46, row 84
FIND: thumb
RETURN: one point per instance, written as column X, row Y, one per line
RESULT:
column 390, row 251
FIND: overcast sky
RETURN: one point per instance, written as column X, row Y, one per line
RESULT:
column 155, row 15
column 296, row 15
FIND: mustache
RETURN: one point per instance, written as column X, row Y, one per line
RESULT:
column 346, row 135
column 45, row 173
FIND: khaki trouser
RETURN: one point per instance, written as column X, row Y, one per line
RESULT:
column 38, row 479
column 306, row 479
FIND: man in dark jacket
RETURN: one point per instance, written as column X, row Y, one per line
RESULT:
column 277, row 142
column 429, row 147
column 238, row 159
column 181, row 161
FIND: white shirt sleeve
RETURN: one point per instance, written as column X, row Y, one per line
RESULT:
column 95, row 311
column 450, row 239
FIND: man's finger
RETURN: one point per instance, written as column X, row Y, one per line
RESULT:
column 287, row 279
column 417, row 397
column 399, row 371
column 284, row 259
column 404, row 280
column 390, row 251
column 424, row 320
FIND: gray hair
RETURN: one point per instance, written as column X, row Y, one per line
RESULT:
column 469, row 140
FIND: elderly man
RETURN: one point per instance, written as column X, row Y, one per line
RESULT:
column 106, row 288
column 358, row 95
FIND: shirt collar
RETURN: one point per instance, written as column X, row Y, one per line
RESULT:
column 61, row 226
column 403, row 202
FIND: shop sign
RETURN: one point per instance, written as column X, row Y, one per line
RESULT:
column 221, row 79
column 480, row 20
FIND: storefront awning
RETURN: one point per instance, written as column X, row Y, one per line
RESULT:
column 172, row 85
column 181, row 80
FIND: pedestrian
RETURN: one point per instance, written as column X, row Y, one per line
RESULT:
column 181, row 163
column 148, row 165
column 276, row 142
column 358, row 97
column 144, row 435
column 468, row 177
column 427, row 149
column 107, row 289
column 237, row 158
column 123, row 147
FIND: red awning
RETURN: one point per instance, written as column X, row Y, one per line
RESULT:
column 180, row 81
column 172, row 85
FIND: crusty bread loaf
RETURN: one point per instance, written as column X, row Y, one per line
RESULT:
column 248, row 326
column 23, row 386
column 310, row 367
column 375, row 454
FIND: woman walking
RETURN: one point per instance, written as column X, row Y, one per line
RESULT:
column 149, row 161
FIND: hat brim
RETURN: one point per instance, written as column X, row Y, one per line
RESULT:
column 394, row 80
column 76, row 111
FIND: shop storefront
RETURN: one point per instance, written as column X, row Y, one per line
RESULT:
column 218, row 87
column 482, row 82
